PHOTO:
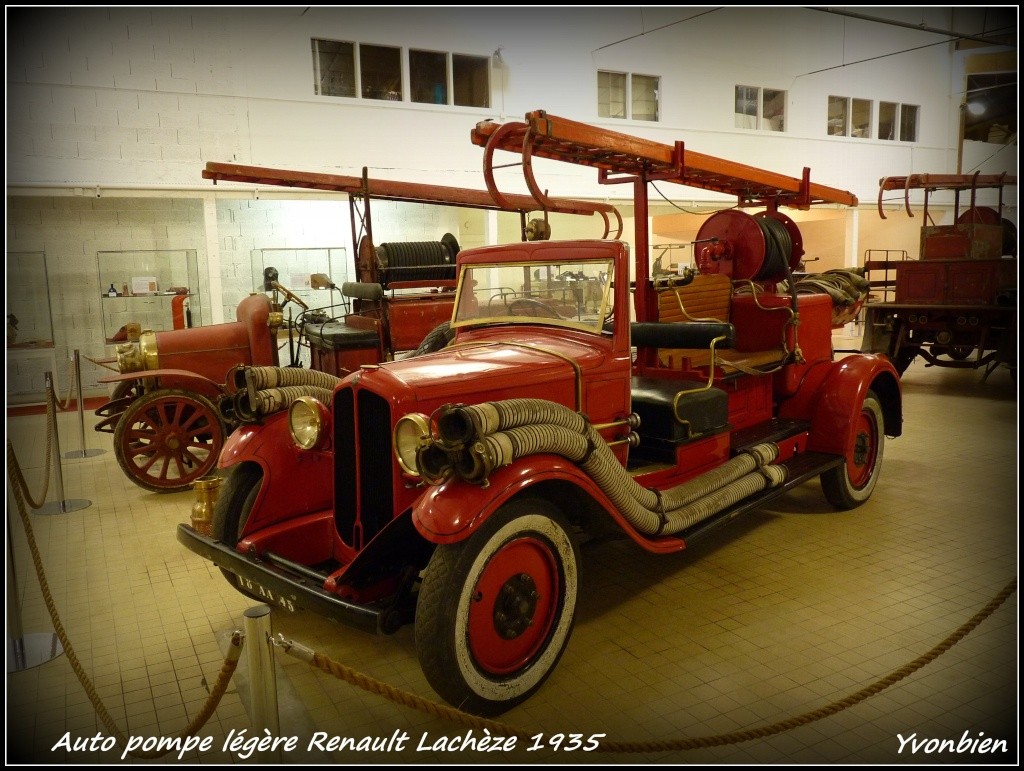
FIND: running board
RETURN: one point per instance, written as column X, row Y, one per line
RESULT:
column 774, row 430
column 799, row 469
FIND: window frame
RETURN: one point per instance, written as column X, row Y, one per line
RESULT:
column 404, row 86
column 900, row 114
column 758, row 96
column 629, row 96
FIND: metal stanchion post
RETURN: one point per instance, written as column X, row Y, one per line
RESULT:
column 60, row 506
column 259, row 651
column 83, row 453
column 24, row 651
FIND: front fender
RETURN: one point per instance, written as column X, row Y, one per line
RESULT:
column 171, row 378
column 835, row 400
column 295, row 481
column 454, row 510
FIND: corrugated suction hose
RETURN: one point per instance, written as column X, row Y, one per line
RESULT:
column 483, row 437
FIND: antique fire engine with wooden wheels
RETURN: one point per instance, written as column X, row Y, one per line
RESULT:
column 166, row 440
column 495, row 611
column 849, row 485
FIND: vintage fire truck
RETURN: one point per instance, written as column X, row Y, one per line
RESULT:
column 178, row 393
column 163, row 412
column 453, row 490
column 955, row 306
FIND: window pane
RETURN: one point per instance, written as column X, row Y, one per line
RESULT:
column 861, row 118
column 645, row 97
column 838, row 116
column 611, row 95
column 471, row 80
column 746, row 107
column 334, row 71
column 381, row 72
column 773, row 111
column 908, row 123
column 428, row 77
column 887, row 120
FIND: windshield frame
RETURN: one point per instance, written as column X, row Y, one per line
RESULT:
column 598, row 325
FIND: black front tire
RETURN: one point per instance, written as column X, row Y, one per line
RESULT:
column 231, row 512
column 495, row 612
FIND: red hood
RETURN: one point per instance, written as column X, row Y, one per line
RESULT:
column 511, row 364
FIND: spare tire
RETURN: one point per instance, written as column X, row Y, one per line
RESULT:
column 436, row 339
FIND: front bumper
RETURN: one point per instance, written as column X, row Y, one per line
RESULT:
column 278, row 588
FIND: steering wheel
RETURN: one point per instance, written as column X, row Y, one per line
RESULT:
column 527, row 306
column 290, row 295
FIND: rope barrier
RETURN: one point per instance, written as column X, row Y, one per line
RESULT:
column 65, row 406
column 21, row 486
column 366, row 683
column 223, row 678
column 404, row 698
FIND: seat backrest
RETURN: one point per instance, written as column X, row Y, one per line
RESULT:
column 706, row 298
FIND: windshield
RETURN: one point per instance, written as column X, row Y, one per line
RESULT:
column 569, row 294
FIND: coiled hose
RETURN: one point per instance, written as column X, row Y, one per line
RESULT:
column 477, row 439
column 271, row 400
column 262, row 391
column 277, row 377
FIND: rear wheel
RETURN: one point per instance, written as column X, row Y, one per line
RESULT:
column 495, row 612
column 849, row 485
column 166, row 440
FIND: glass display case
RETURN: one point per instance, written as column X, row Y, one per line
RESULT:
column 296, row 269
column 30, row 351
column 157, row 289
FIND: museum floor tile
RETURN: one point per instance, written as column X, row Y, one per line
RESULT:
column 780, row 639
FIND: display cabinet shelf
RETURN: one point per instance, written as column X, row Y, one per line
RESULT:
column 156, row 289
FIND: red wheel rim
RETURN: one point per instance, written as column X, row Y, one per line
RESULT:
column 514, row 606
column 860, row 464
column 172, row 442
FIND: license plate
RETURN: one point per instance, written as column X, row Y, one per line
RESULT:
column 257, row 590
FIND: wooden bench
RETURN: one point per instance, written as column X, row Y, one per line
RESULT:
column 708, row 298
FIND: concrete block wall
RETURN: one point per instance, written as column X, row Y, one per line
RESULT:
column 125, row 95
column 71, row 231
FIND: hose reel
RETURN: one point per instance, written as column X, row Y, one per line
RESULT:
column 411, row 260
column 762, row 247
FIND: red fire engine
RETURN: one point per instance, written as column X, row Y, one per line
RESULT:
column 955, row 306
column 453, row 490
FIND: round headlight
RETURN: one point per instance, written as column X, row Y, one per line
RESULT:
column 411, row 433
column 306, row 421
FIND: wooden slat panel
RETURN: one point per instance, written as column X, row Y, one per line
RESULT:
column 706, row 297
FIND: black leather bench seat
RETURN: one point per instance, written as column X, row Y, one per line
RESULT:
column 703, row 411
column 339, row 336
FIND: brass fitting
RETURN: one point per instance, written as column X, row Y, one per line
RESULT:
column 207, row 489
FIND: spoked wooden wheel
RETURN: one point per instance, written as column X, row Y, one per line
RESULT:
column 168, row 439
